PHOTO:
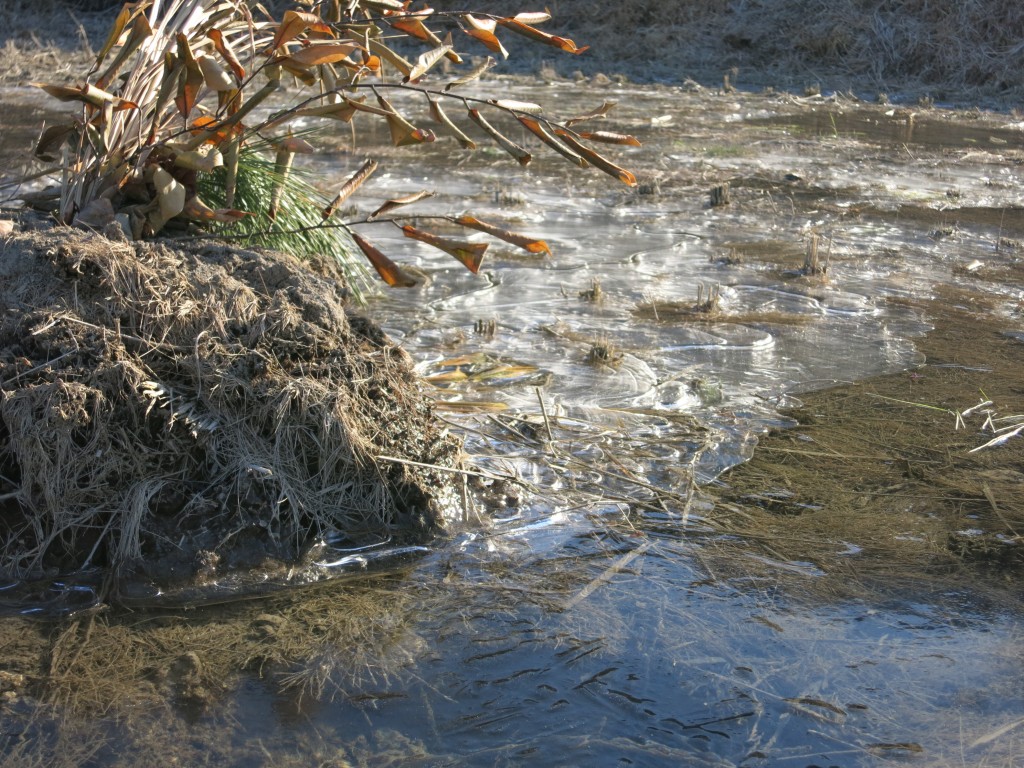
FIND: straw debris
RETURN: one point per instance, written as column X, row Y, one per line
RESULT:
column 175, row 414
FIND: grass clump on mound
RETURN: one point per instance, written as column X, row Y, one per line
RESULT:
column 178, row 413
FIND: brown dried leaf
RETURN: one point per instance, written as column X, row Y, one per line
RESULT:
column 353, row 183
column 51, row 140
column 515, row 25
column 439, row 116
column 426, row 61
column 282, row 167
column 322, row 53
column 170, row 195
column 389, row 272
column 141, row 29
column 120, row 23
column 197, row 210
column 607, row 137
column 204, row 159
column 517, row 106
column 527, row 243
column 87, row 94
column 536, row 17
column 392, row 58
column 601, row 111
column 483, row 30
column 470, row 255
column 386, row 5
column 216, row 76
column 224, row 49
column 96, row 214
column 191, row 81
column 597, row 160
column 537, row 129
column 398, row 202
column 472, row 75
column 343, row 111
column 294, row 23
column 403, row 133
column 520, row 154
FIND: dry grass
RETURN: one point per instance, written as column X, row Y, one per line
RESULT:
column 47, row 39
column 961, row 50
column 968, row 49
column 151, row 394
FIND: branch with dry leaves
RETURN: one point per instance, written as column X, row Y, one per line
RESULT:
column 180, row 89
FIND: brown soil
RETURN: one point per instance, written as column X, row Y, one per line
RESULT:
column 881, row 465
column 178, row 413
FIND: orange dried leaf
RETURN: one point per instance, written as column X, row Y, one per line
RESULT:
column 483, row 30
column 515, row 25
column 213, row 131
column 191, row 81
column 470, row 255
column 389, row 272
column 414, row 27
column 597, row 160
column 226, row 53
column 294, row 23
column 527, row 243
column 322, row 53
column 353, row 183
column 537, row 129
column 197, row 210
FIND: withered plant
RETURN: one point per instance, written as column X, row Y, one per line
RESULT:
column 181, row 93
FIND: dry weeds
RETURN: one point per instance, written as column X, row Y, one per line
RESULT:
column 182, row 413
column 969, row 49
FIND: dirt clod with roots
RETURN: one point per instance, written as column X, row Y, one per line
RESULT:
column 173, row 414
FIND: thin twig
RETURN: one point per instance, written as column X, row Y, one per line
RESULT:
column 606, row 575
column 544, row 413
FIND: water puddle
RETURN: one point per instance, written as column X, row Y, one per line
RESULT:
column 595, row 606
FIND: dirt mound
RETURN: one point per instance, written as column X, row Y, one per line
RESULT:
column 176, row 413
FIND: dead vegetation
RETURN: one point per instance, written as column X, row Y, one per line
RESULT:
column 179, row 413
column 966, row 50
column 901, row 467
column 971, row 49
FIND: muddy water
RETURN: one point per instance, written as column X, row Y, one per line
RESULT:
column 598, row 611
